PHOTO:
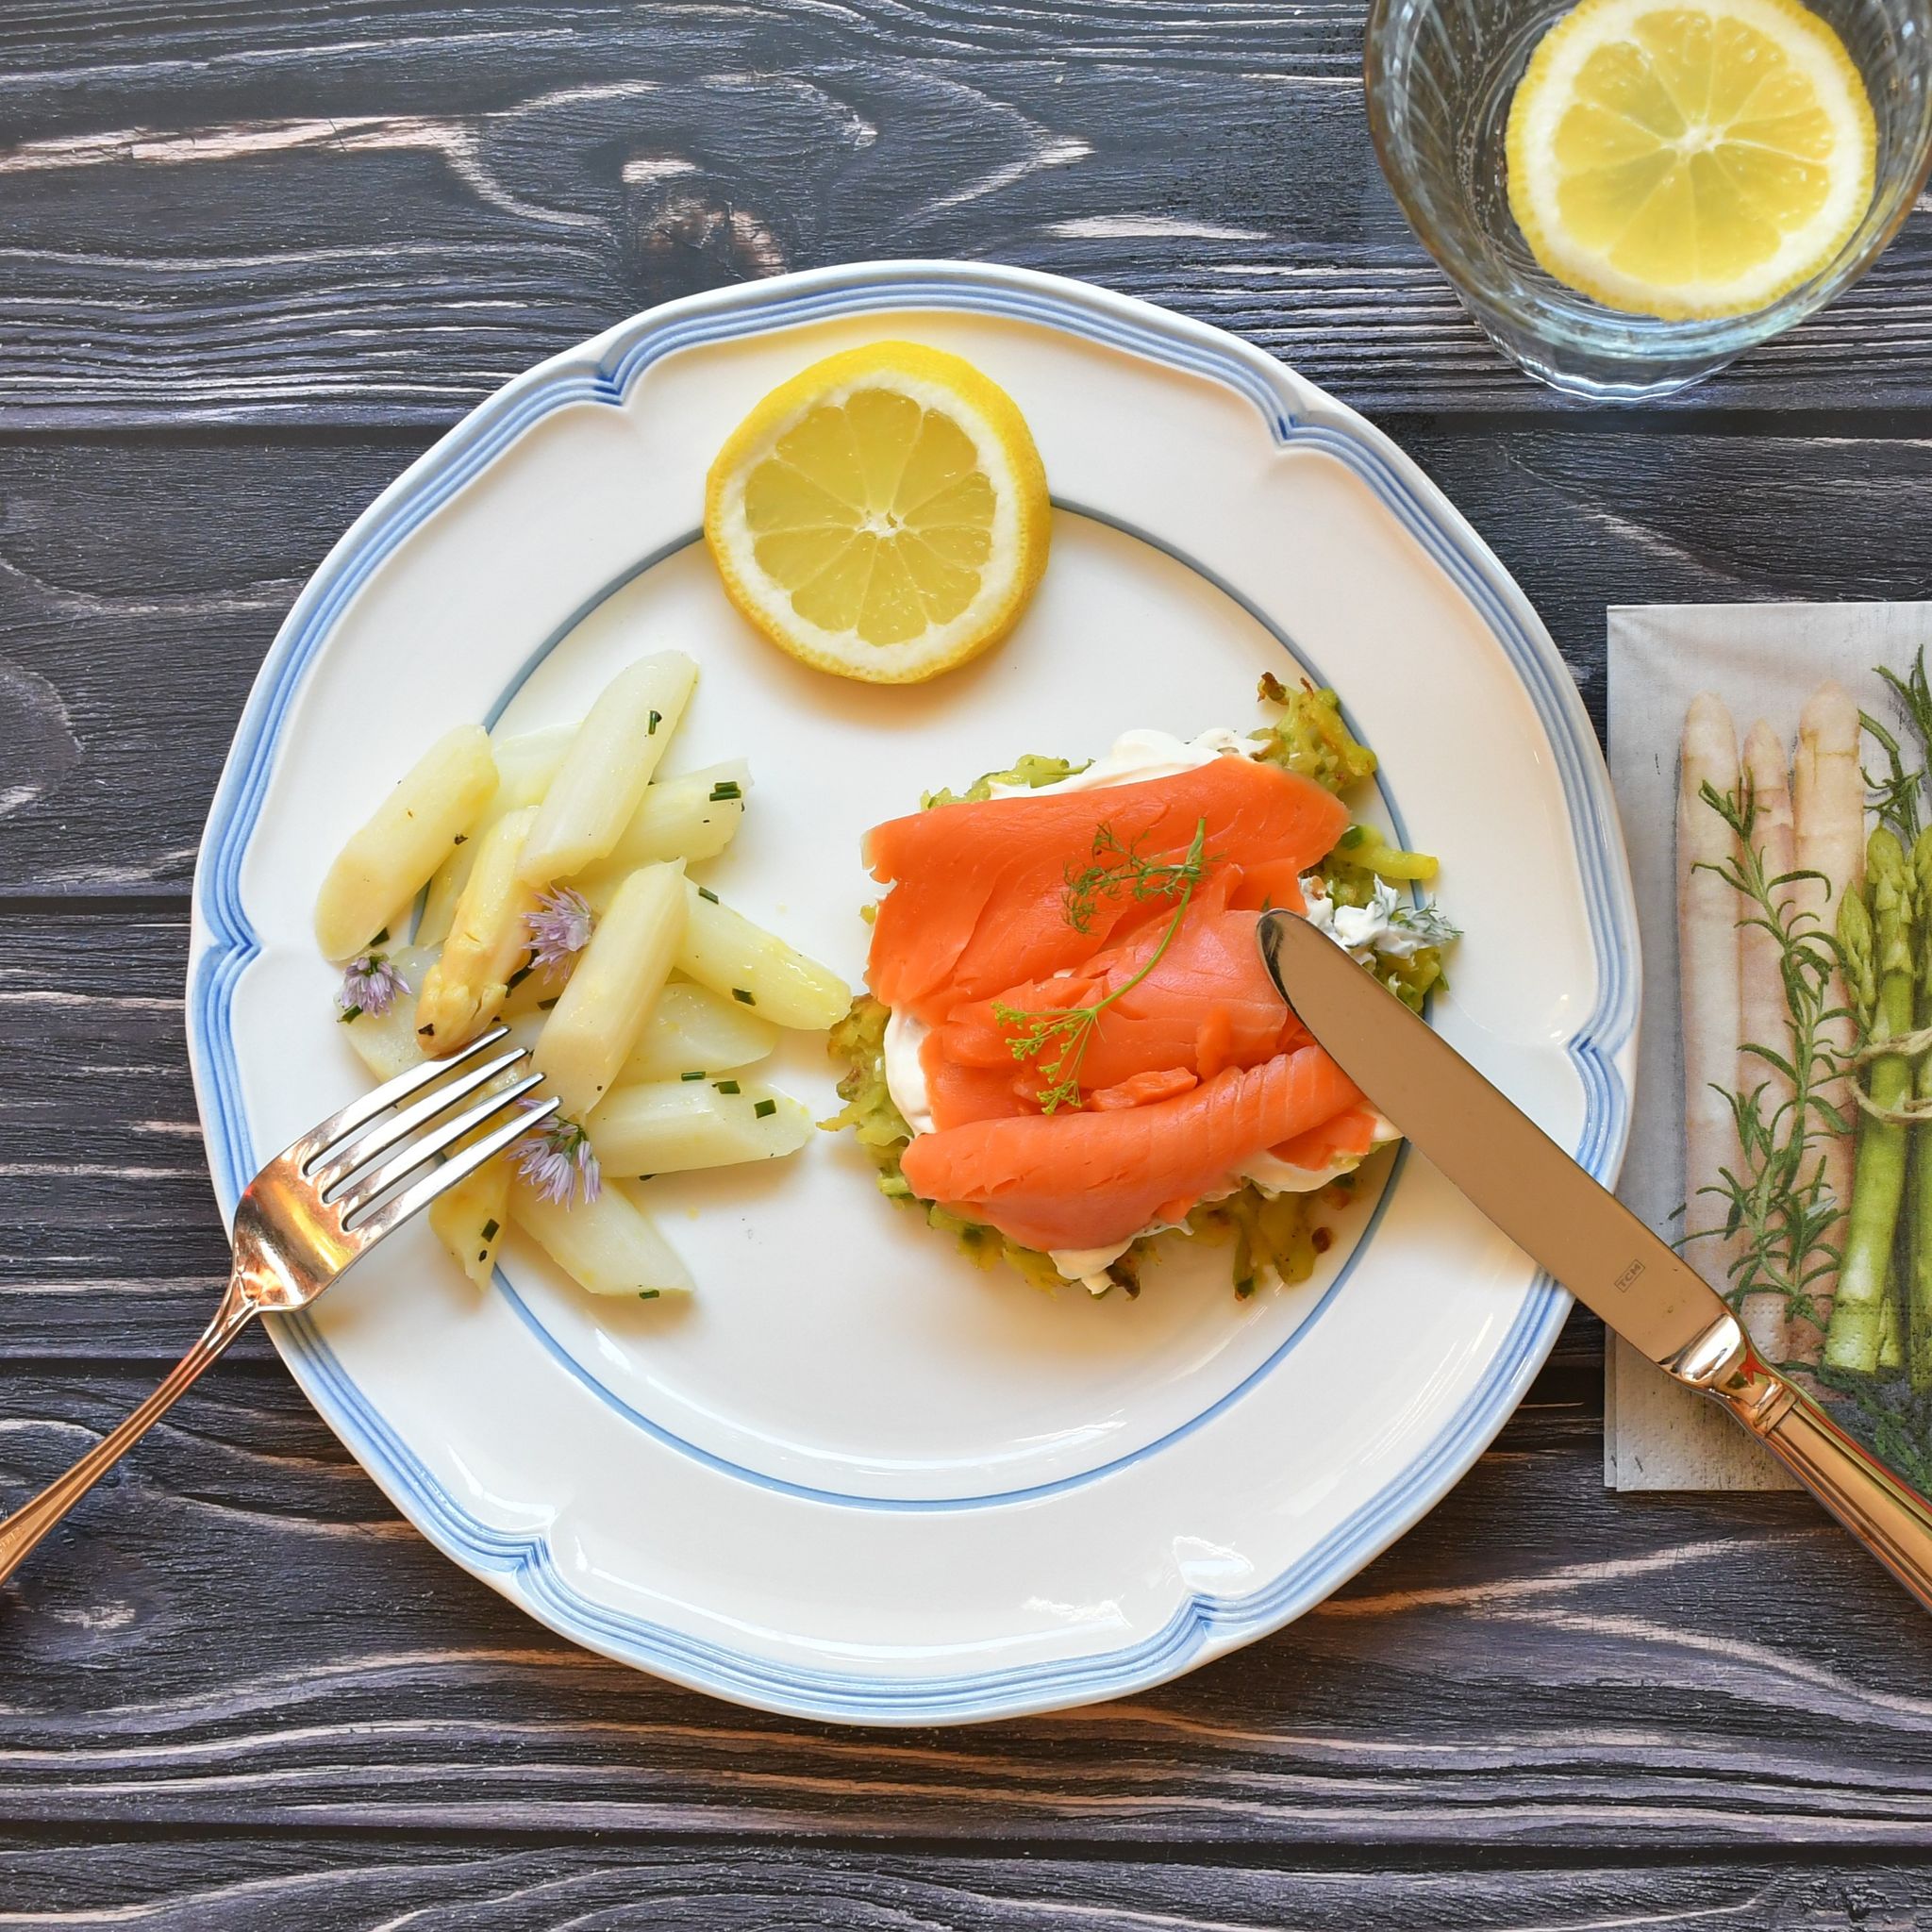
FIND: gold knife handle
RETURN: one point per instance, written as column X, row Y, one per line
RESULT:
column 1892, row 1520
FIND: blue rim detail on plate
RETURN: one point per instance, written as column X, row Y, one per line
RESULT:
column 225, row 944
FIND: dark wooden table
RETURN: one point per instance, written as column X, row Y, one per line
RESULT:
column 253, row 257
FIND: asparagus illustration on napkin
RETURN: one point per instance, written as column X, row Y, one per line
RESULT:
column 1806, row 965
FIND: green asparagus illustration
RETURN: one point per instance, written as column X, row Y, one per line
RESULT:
column 1875, row 933
column 1919, row 1274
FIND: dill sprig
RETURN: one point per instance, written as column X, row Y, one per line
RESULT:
column 1122, row 870
column 1777, row 1199
column 1067, row 1033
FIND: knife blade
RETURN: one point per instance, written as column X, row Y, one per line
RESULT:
column 1575, row 1228
column 1494, row 1153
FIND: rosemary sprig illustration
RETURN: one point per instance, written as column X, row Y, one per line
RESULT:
column 1776, row 1198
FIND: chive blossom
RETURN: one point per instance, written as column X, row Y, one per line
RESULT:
column 557, row 1159
column 371, row 984
column 560, row 928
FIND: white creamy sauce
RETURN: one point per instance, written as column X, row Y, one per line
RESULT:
column 1363, row 930
column 1136, row 756
column 1089, row 1266
column 1139, row 756
column 905, row 1070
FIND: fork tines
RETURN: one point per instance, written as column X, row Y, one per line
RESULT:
column 336, row 1157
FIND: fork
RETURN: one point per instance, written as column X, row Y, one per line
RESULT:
column 310, row 1215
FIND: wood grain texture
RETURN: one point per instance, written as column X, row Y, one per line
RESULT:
column 275, row 1886
column 374, row 214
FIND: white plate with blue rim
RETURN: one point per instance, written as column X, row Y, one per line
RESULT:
column 858, row 1477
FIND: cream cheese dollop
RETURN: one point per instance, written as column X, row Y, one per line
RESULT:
column 1137, row 757
column 905, row 1070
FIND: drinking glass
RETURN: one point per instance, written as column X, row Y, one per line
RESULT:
column 1439, row 75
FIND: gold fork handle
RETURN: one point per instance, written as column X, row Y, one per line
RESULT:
column 21, row 1531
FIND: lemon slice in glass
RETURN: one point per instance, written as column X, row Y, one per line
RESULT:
column 1689, row 158
column 883, row 515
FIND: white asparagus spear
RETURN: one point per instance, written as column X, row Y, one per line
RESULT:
column 488, row 938
column 610, row 993
column 611, row 758
column 1828, row 808
column 1707, row 913
column 391, row 858
column 1764, row 1016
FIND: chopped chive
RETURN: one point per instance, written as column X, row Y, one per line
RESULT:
column 380, row 937
column 544, row 1005
column 706, row 892
column 657, row 719
column 517, row 978
column 727, row 788
column 349, row 1013
column 427, row 1032
column 737, row 992
column 482, row 1254
column 490, row 1230
column 699, row 1075
column 649, row 1295
column 725, row 1086
column 765, row 1109
column 460, row 839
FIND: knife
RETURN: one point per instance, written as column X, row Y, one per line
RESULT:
column 1585, row 1236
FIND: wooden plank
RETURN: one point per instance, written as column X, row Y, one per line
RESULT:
column 139, row 588
column 108, row 1237
column 294, row 1885
column 235, row 1628
column 132, row 618
column 190, row 202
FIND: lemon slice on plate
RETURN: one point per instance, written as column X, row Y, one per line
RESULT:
column 883, row 515
column 1689, row 158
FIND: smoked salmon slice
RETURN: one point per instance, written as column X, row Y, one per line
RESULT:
column 1348, row 1136
column 977, row 902
column 1207, row 1003
column 1091, row 1178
